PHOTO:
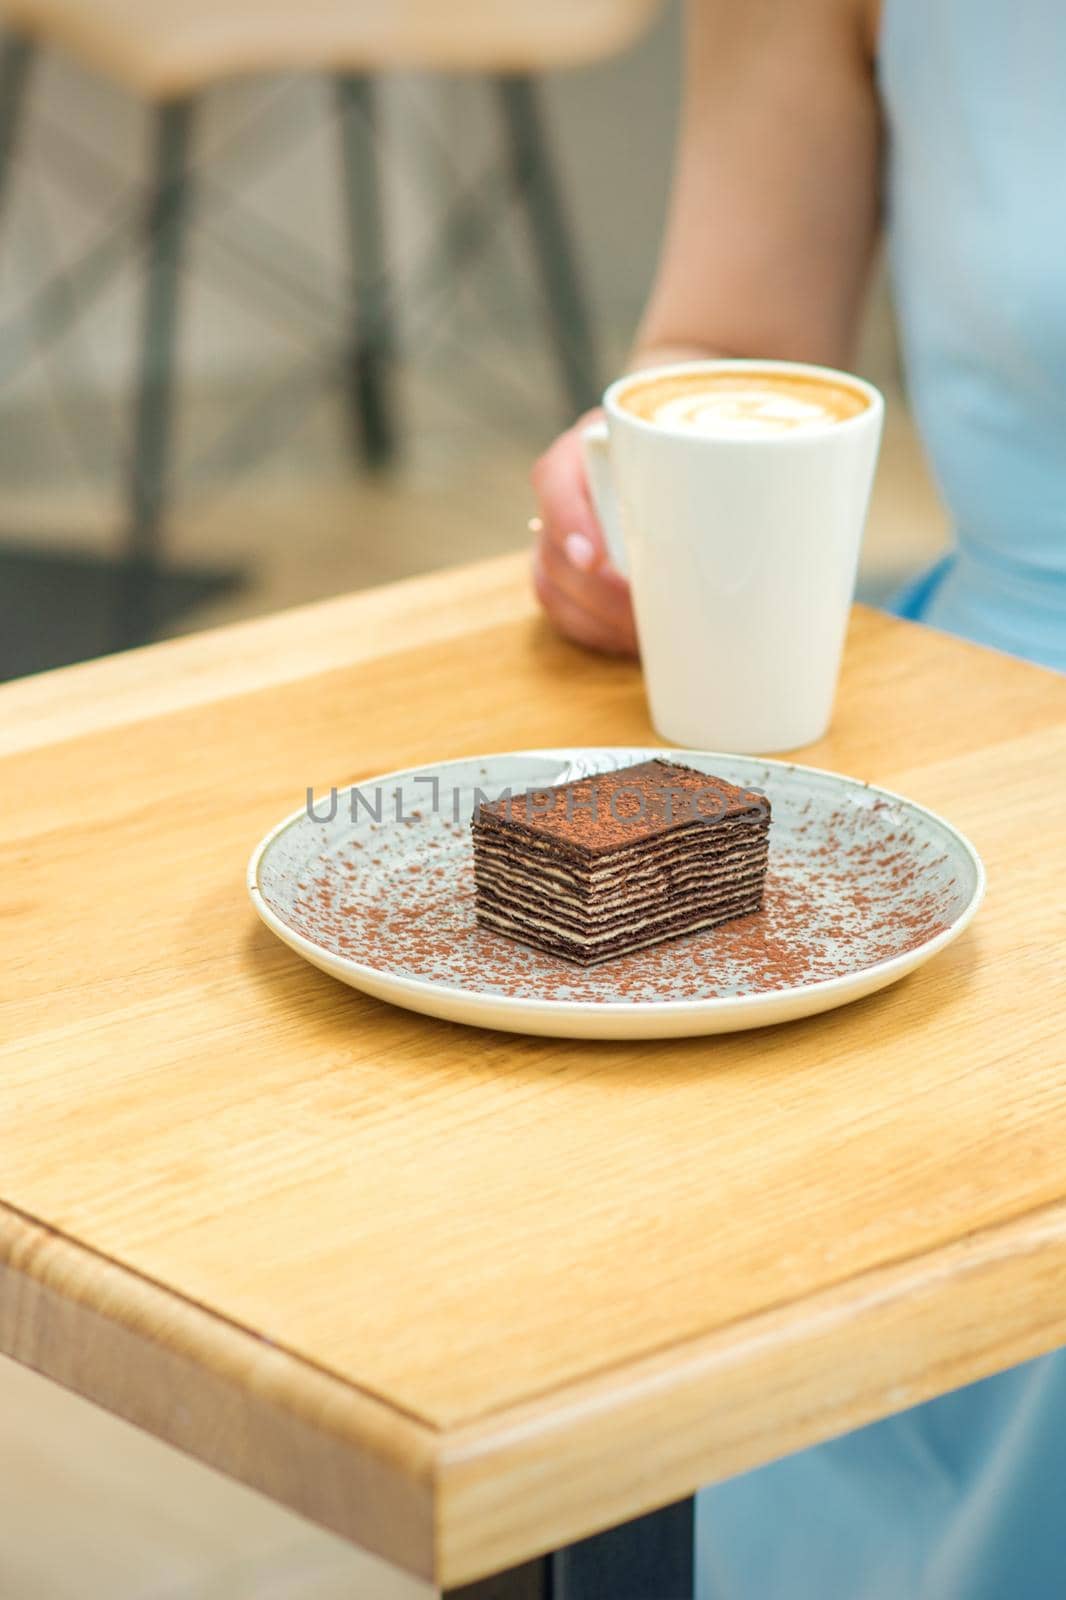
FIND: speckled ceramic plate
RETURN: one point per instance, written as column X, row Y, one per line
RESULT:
column 375, row 886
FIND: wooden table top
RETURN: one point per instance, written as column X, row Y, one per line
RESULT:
column 464, row 1296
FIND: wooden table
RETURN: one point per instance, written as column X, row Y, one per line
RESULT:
column 466, row 1297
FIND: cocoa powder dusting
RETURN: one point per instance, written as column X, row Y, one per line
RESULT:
column 845, row 890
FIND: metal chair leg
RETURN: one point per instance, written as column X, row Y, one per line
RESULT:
column 17, row 54
column 372, row 345
column 536, row 183
column 652, row 1558
column 135, row 619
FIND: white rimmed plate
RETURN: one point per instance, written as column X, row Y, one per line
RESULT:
column 374, row 885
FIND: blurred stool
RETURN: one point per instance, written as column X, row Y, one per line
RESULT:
column 172, row 51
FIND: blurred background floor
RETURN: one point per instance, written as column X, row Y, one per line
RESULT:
column 282, row 513
column 93, row 1509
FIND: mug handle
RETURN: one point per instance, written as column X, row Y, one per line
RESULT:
column 596, row 450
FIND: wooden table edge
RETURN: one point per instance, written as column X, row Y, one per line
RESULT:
column 452, row 1505
column 514, row 1484
column 219, row 1392
column 257, row 653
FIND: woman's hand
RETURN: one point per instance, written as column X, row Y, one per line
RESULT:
column 585, row 597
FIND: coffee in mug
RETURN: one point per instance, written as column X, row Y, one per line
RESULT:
column 734, row 494
column 727, row 404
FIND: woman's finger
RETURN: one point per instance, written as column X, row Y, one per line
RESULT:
column 603, row 592
column 575, row 624
column 566, row 507
column 611, row 633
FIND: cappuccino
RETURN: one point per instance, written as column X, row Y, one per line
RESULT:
column 742, row 404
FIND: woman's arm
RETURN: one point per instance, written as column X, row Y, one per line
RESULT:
column 773, row 224
column 775, row 203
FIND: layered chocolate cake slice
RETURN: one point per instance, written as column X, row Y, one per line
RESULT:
column 611, row 863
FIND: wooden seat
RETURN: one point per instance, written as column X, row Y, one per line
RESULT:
column 169, row 48
column 172, row 51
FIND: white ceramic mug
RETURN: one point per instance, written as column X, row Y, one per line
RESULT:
column 741, row 553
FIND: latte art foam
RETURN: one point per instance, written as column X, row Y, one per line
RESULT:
column 743, row 404
column 745, row 412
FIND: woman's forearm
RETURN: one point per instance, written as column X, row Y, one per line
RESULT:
column 644, row 355
column 774, row 210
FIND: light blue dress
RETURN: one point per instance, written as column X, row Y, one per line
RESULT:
column 963, row 1498
column 975, row 97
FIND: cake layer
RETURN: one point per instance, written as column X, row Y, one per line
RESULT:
column 547, row 915
column 693, row 885
column 653, row 863
column 563, row 868
column 590, row 954
column 513, row 855
column 627, row 848
column 694, row 888
column 622, row 807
